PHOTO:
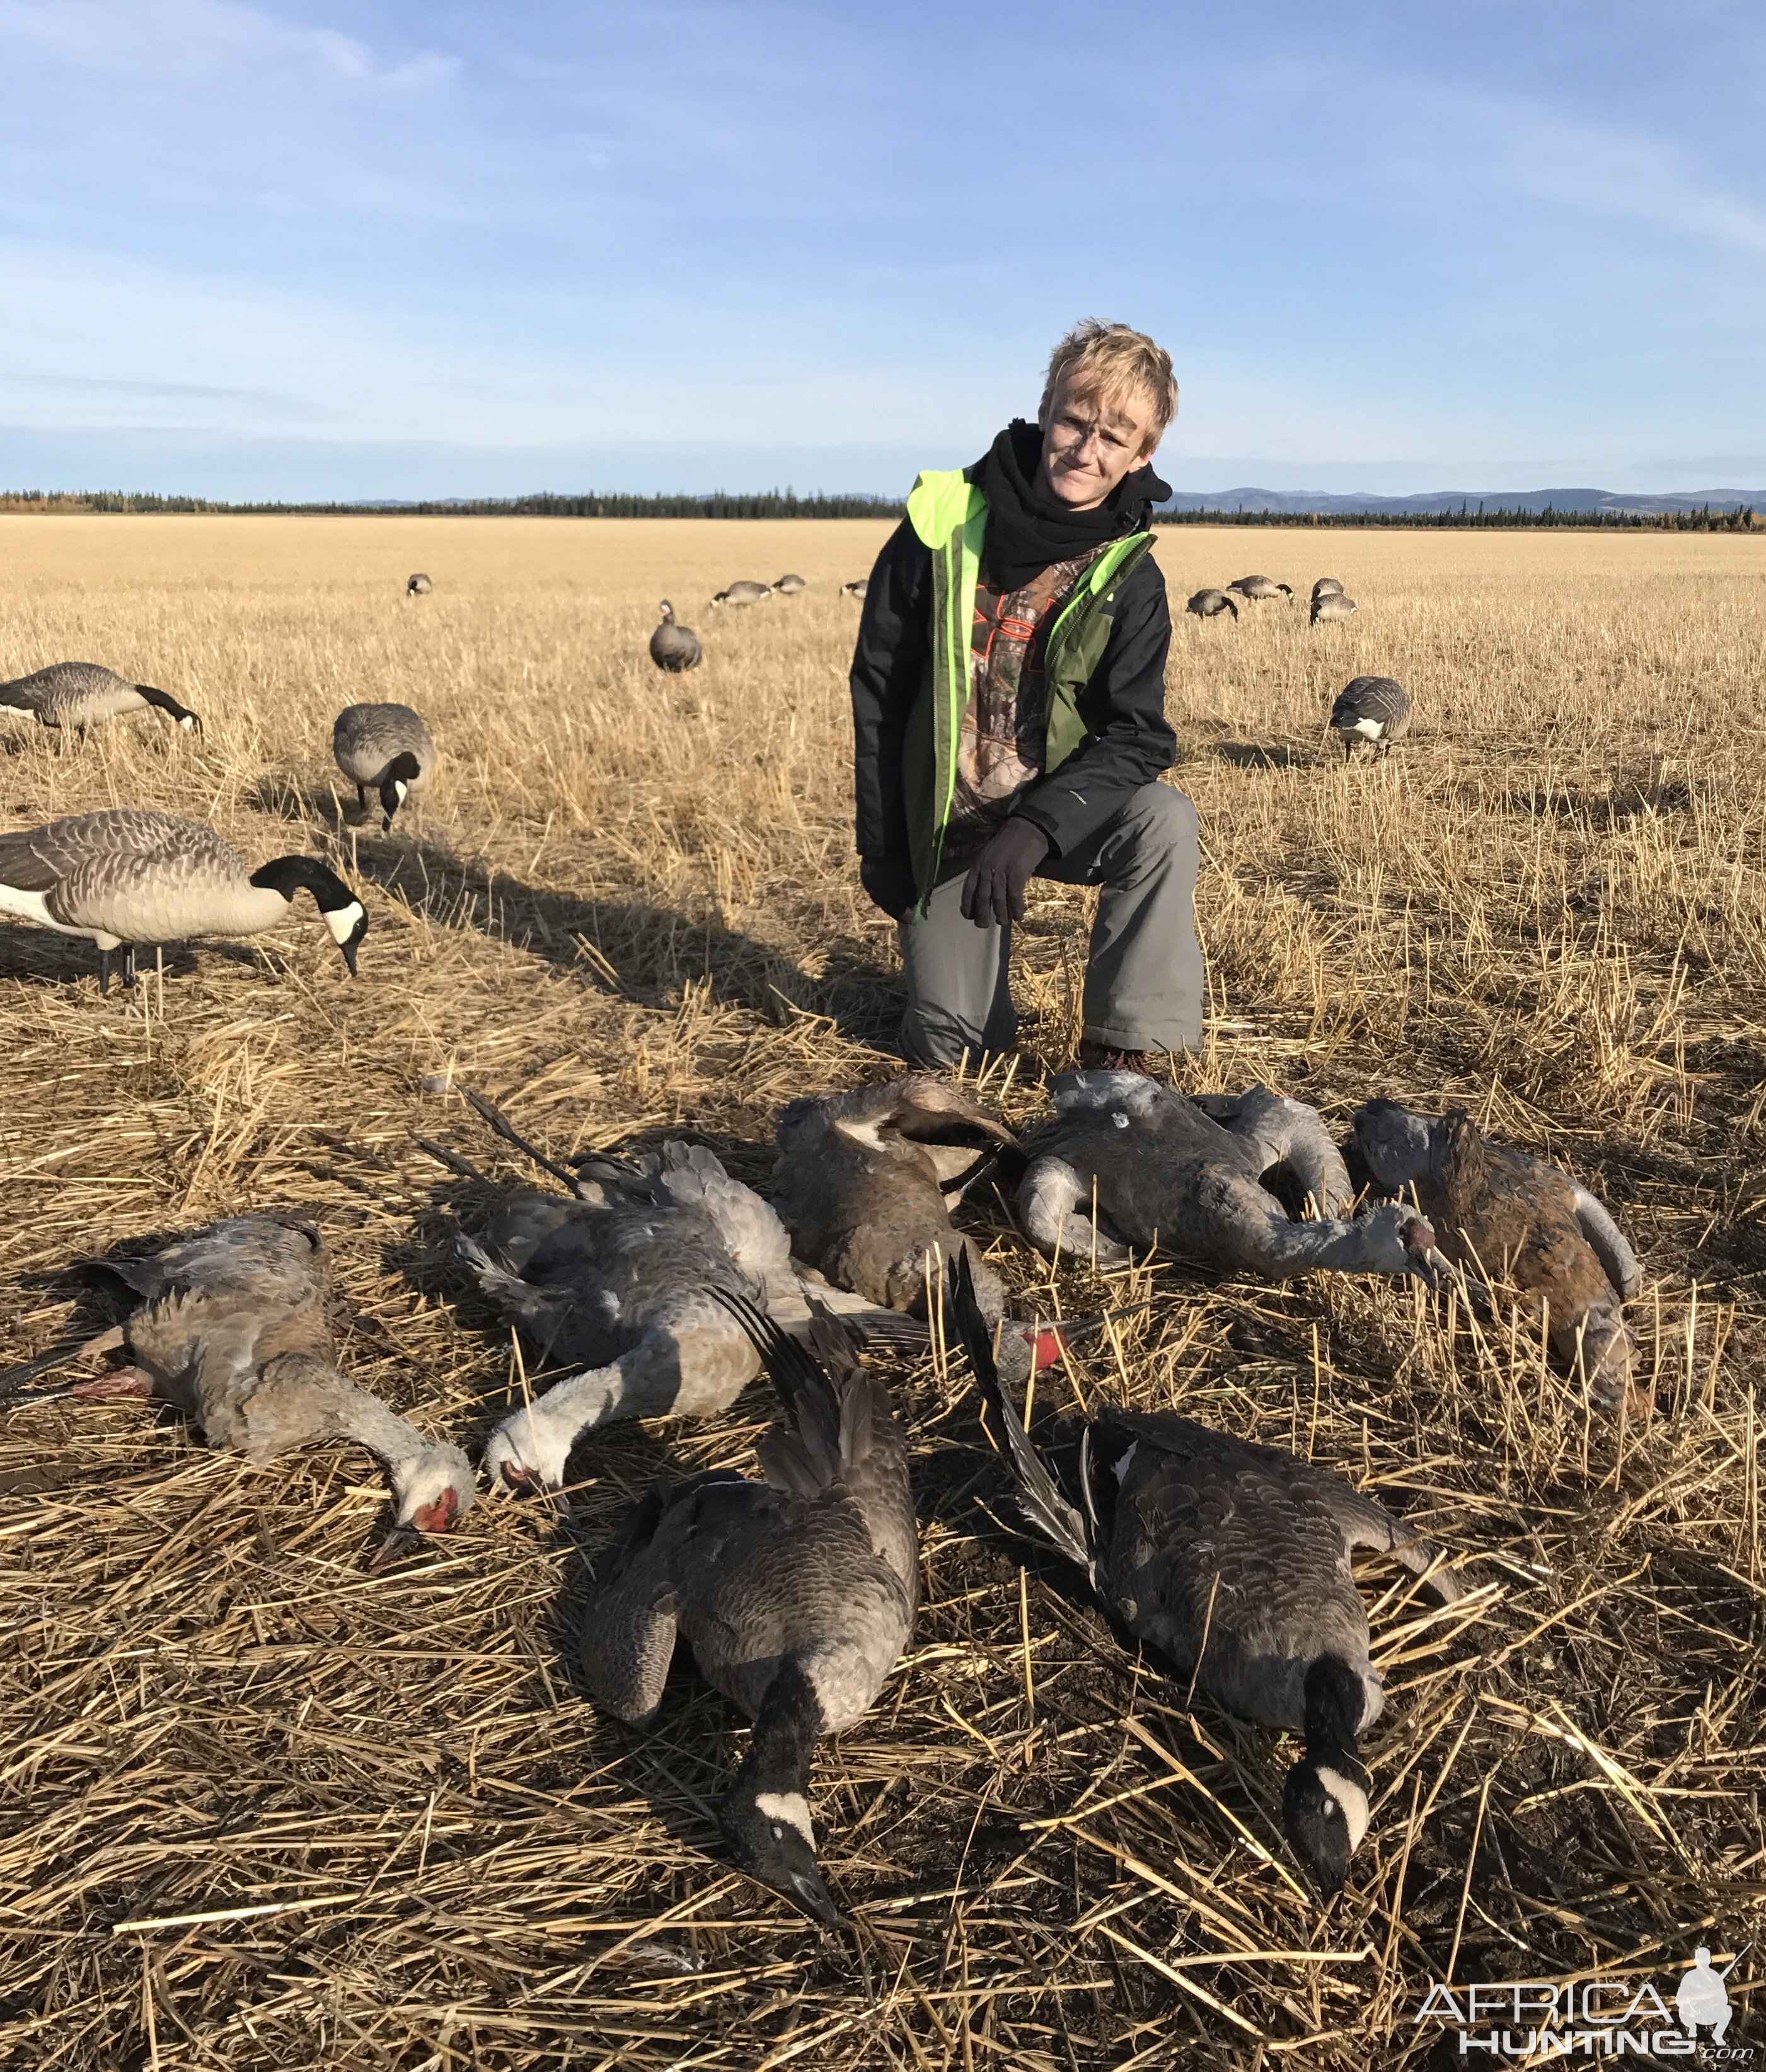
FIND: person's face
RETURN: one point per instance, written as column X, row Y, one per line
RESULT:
column 1087, row 448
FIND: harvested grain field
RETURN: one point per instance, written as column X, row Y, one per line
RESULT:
column 261, row 1807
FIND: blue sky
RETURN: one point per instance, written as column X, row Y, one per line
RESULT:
column 391, row 250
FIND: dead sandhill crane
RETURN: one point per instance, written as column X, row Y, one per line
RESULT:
column 1232, row 1560
column 231, row 1329
column 1500, row 1213
column 1211, row 603
column 1189, row 1176
column 796, row 1593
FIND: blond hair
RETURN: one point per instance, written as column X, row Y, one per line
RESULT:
column 1111, row 361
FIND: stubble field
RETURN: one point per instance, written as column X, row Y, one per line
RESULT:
column 382, row 1825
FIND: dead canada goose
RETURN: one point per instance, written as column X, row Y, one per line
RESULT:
column 856, row 588
column 1258, row 587
column 77, row 695
column 418, row 585
column 1192, row 1177
column 1372, row 708
column 1326, row 586
column 1332, row 605
column 133, row 877
column 1233, row 1560
column 386, row 748
column 789, row 585
column 744, row 593
column 231, row 1329
column 865, row 1182
column 674, row 647
column 796, row 1593
column 1498, row 1211
column 1211, row 603
column 620, row 1281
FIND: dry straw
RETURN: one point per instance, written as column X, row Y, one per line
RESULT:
column 260, row 1807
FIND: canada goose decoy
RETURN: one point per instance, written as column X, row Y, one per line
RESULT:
column 856, row 590
column 1232, row 1560
column 744, row 593
column 796, row 1594
column 1332, row 605
column 1258, row 587
column 81, row 694
column 865, row 1182
column 1499, row 1211
column 418, row 585
column 230, row 1329
column 132, row 876
column 789, row 585
column 1376, row 709
column 674, row 647
column 1211, row 603
column 1194, row 1177
column 386, row 748
column 620, row 1281
column 1326, row 586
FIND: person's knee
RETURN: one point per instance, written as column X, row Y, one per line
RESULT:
column 1162, row 823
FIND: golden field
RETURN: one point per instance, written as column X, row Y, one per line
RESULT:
column 382, row 1825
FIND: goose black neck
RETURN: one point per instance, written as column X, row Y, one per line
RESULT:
column 289, row 874
column 404, row 769
column 787, row 1728
column 1335, row 1699
column 165, row 701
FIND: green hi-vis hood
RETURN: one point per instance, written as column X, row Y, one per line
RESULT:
column 949, row 515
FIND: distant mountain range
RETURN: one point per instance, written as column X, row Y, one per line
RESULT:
column 1601, row 502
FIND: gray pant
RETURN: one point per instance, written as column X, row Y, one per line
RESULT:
column 1143, row 976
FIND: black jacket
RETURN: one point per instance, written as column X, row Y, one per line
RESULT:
column 1129, row 741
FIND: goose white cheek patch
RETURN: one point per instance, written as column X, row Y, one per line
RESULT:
column 341, row 922
column 790, row 1809
column 1352, row 1798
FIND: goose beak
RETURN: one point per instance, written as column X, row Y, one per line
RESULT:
column 816, row 1900
column 349, row 956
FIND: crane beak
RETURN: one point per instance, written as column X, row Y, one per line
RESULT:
column 399, row 1545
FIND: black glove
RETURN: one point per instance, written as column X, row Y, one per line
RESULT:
column 993, row 892
column 888, row 882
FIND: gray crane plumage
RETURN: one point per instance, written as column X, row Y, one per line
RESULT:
column 1259, row 587
column 81, row 694
column 231, row 1329
column 1232, row 1560
column 1211, row 603
column 387, row 749
column 132, row 876
column 1333, row 604
column 1375, row 709
column 744, row 593
column 673, row 647
column 1192, row 1176
column 796, row 1594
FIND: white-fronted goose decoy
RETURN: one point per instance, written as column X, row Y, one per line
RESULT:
column 78, row 695
column 132, row 876
column 1211, row 603
column 620, row 1281
column 796, row 1594
column 1500, row 1212
column 856, row 590
column 418, row 585
column 1376, row 709
column 1332, row 605
column 1233, row 1560
column 1194, row 1177
column 789, row 585
column 232, row 1330
column 674, row 647
column 386, row 748
column 744, row 593
column 1259, row 588
column 865, row 1182
column 1326, row 586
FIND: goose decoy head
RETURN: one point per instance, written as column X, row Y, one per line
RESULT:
column 772, row 1837
column 399, row 774
column 432, row 1491
column 344, row 913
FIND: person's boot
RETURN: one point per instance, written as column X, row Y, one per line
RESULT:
column 1095, row 1057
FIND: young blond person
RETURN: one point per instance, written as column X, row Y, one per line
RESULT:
column 1008, row 714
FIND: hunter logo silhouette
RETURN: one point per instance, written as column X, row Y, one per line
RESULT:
column 1702, row 1997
